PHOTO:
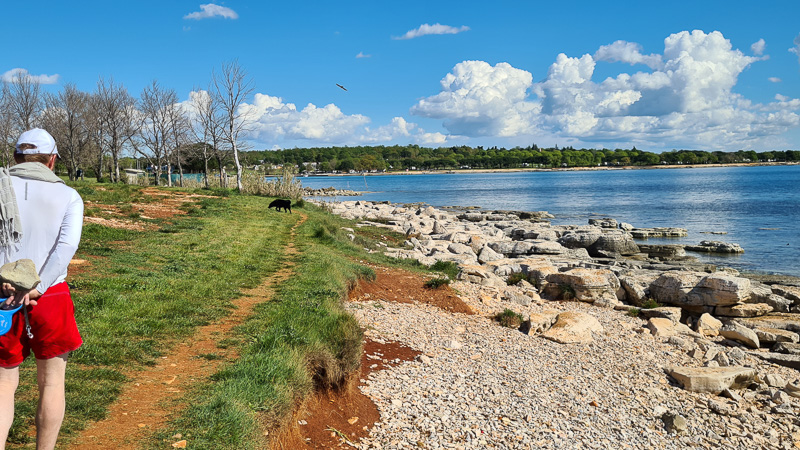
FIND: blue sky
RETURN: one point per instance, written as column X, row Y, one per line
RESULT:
column 706, row 75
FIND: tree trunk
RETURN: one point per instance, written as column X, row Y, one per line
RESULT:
column 169, row 173
column 180, row 173
column 238, row 167
column 221, row 170
column 115, row 158
column 99, row 168
column 205, row 164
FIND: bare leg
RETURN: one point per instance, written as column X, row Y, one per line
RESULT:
column 50, row 375
column 9, row 380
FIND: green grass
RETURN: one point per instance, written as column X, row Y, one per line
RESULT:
column 448, row 268
column 301, row 339
column 148, row 290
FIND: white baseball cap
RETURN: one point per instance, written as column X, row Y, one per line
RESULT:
column 44, row 143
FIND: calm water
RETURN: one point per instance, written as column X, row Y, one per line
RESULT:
column 759, row 207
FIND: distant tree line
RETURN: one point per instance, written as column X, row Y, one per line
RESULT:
column 399, row 158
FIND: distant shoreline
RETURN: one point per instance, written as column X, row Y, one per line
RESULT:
column 564, row 169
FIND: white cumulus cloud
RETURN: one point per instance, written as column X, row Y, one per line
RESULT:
column 13, row 75
column 774, row 79
column 685, row 99
column 437, row 28
column 275, row 122
column 400, row 130
column 273, row 119
column 478, row 99
column 210, row 10
column 627, row 52
column 758, row 47
column 363, row 55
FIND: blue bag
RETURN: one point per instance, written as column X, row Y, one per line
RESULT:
column 6, row 317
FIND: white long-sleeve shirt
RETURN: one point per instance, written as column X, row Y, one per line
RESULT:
column 51, row 215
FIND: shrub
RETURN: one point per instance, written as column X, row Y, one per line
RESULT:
column 567, row 292
column 634, row 312
column 509, row 318
column 448, row 268
column 515, row 278
column 286, row 185
column 650, row 304
column 435, row 283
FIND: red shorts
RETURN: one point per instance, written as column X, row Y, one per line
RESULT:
column 52, row 324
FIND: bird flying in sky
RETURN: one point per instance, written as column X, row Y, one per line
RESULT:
column 343, row 88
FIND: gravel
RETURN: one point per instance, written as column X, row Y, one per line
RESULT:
column 480, row 385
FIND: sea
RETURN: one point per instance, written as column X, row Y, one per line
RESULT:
column 757, row 207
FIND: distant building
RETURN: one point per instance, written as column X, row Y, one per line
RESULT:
column 133, row 175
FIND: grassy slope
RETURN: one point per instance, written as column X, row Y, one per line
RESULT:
column 148, row 290
column 302, row 338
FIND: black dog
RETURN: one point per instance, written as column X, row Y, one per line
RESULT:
column 278, row 204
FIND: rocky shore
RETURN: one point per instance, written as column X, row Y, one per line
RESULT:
column 623, row 345
column 329, row 192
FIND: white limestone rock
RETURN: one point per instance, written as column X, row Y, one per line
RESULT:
column 712, row 379
column 572, row 327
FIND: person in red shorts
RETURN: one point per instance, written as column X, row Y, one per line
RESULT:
column 45, row 226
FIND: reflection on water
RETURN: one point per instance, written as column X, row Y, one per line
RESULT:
column 741, row 201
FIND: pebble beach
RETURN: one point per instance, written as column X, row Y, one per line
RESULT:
column 477, row 384
column 480, row 385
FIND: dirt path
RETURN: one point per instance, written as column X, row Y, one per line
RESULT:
column 147, row 402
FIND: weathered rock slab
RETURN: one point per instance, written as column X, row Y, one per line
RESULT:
column 719, row 290
column 587, row 285
column 780, row 359
column 580, row 238
column 672, row 313
column 644, row 233
column 673, row 287
column 784, row 321
column 708, row 325
column 715, row 247
column 775, row 335
column 637, row 285
column 740, row 333
column 486, row 255
column 790, row 292
column 618, row 242
column 744, row 310
column 787, row 348
column 539, row 322
column 572, row 327
column 712, row 379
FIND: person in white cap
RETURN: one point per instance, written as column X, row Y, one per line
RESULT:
column 41, row 219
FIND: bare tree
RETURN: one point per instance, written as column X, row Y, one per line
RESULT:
column 67, row 117
column 115, row 111
column 24, row 101
column 155, row 127
column 180, row 127
column 231, row 86
column 208, row 130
